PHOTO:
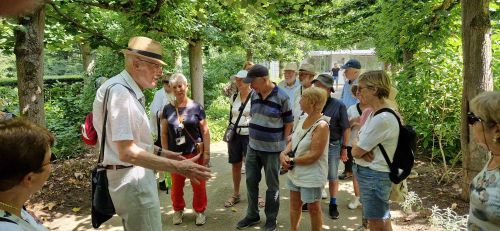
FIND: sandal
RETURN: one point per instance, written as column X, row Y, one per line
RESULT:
column 232, row 201
column 261, row 202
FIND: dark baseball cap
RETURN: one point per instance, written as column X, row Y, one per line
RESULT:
column 257, row 70
column 325, row 79
column 352, row 63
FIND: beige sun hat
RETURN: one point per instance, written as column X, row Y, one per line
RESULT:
column 291, row 67
column 146, row 48
column 307, row 67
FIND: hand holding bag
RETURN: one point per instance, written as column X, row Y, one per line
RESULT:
column 231, row 128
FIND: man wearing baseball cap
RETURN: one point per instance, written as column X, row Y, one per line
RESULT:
column 270, row 124
column 339, row 131
column 352, row 70
column 129, row 153
column 290, row 83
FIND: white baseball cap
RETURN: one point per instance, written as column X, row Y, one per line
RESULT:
column 241, row 74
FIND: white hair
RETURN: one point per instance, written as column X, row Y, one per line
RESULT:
column 178, row 78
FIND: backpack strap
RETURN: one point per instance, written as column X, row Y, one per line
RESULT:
column 3, row 219
column 382, row 149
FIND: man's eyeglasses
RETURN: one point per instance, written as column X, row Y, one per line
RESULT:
column 155, row 65
column 472, row 119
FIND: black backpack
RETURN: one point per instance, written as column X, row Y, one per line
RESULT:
column 404, row 157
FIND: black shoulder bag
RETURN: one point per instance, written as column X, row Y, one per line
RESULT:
column 231, row 128
column 102, row 205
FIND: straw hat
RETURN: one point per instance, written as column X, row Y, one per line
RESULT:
column 308, row 68
column 145, row 48
column 291, row 67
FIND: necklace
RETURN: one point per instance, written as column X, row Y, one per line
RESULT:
column 8, row 206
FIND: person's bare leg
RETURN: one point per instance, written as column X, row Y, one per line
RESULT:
column 355, row 185
column 333, row 188
column 316, row 216
column 295, row 210
column 236, row 178
column 379, row 225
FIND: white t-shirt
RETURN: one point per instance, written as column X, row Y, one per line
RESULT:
column 315, row 174
column 160, row 99
column 127, row 118
column 352, row 112
column 24, row 223
column 383, row 128
column 245, row 117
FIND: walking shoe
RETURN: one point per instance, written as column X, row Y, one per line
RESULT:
column 323, row 194
column 304, row 207
column 333, row 212
column 246, row 222
column 200, row 219
column 345, row 175
column 270, row 226
column 177, row 219
column 162, row 186
column 354, row 204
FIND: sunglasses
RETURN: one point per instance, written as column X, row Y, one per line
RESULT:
column 472, row 119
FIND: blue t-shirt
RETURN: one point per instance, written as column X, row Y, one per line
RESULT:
column 192, row 114
column 339, row 121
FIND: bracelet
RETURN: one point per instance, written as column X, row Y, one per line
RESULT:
column 158, row 153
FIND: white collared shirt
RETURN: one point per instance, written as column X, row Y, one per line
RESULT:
column 127, row 118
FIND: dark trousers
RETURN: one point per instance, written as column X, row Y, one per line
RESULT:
column 255, row 161
column 348, row 163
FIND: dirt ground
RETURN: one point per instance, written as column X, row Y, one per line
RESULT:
column 64, row 202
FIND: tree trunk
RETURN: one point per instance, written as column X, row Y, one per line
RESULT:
column 29, row 64
column 196, row 70
column 249, row 55
column 177, row 55
column 88, row 58
column 476, row 43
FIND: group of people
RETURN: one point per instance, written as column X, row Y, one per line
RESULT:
column 296, row 128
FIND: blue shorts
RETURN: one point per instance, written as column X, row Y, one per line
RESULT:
column 333, row 160
column 375, row 189
column 307, row 195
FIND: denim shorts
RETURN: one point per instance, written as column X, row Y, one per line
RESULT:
column 333, row 160
column 375, row 189
column 307, row 195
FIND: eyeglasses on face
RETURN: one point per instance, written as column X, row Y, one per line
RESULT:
column 472, row 119
column 155, row 65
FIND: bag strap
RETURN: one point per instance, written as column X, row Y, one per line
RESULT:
column 184, row 128
column 359, row 109
column 295, row 149
column 103, row 136
column 231, row 107
column 380, row 146
column 242, row 107
column 2, row 219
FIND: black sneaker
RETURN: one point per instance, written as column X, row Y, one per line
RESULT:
column 270, row 225
column 247, row 223
column 333, row 212
column 162, row 186
column 304, row 207
column 345, row 175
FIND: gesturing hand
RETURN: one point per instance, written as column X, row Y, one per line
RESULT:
column 195, row 172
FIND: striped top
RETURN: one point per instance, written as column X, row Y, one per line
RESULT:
column 268, row 117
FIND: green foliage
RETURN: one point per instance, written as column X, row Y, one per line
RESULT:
column 218, row 69
column 8, row 99
column 218, row 118
column 431, row 99
column 65, row 111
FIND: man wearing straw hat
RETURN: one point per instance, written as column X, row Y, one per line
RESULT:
column 129, row 153
column 290, row 83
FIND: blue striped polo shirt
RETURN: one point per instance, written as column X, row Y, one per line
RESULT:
column 268, row 117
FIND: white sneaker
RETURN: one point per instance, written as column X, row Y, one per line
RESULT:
column 200, row 219
column 177, row 219
column 354, row 204
column 323, row 194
